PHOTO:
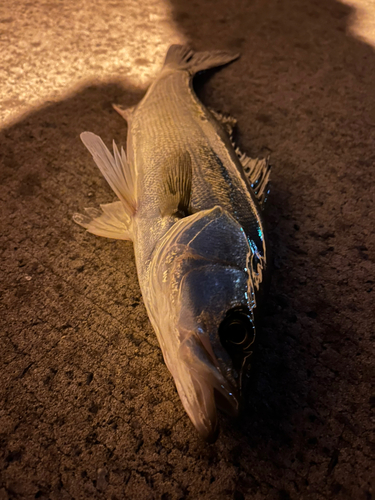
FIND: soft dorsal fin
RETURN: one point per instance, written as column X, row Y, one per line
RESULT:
column 258, row 173
column 227, row 121
column 177, row 179
column 183, row 57
column 111, row 222
column 115, row 168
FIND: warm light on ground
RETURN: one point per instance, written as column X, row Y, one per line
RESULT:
column 363, row 20
column 50, row 49
column 58, row 52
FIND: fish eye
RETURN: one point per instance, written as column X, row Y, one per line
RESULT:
column 236, row 331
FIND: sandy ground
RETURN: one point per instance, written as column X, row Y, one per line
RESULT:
column 88, row 409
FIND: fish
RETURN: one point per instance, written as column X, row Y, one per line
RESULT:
column 191, row 202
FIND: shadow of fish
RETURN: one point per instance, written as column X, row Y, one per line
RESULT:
column 191, row 203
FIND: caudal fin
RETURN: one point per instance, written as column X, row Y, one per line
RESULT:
column 183, row 57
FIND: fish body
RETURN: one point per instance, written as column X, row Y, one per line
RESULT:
column 191, row 204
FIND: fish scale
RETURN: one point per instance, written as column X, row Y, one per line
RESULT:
column 171, row 118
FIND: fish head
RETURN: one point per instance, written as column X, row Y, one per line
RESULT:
column 201, row 306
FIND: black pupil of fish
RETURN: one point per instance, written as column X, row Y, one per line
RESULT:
column 236, row 331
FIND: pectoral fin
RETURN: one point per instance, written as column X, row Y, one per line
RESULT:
column 111, row 222
column 177, row 178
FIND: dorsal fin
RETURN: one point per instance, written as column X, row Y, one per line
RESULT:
column 115, row 168
column 257, row 171
column 227, row 121
column 177, row 178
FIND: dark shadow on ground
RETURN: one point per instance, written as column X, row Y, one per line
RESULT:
column 88, row 408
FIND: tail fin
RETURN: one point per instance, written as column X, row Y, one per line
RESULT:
column 182, row 57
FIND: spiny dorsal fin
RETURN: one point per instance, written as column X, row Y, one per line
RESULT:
column 227, row 121
column 177, row 178
column 111, row 222
column 258, row 173
column 183, row 57
column 115, row 168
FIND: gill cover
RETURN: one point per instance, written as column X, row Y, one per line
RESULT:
column 199, row 272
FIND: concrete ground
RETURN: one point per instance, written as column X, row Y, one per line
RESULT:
column 88, row 409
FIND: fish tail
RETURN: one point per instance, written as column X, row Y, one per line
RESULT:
column 183, row 57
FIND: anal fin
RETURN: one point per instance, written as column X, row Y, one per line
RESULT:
column 111, row 221
column 126, row 113
column 177, row 179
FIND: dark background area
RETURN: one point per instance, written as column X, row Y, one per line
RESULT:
column 88, row 408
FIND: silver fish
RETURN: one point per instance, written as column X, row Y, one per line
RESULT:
column 191, row 203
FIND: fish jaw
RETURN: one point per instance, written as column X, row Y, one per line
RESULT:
column 203, row 388
column 198, row 375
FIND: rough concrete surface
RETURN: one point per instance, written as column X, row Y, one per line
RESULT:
column 88, row 409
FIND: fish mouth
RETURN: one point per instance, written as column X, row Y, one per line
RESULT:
column 203, row 388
